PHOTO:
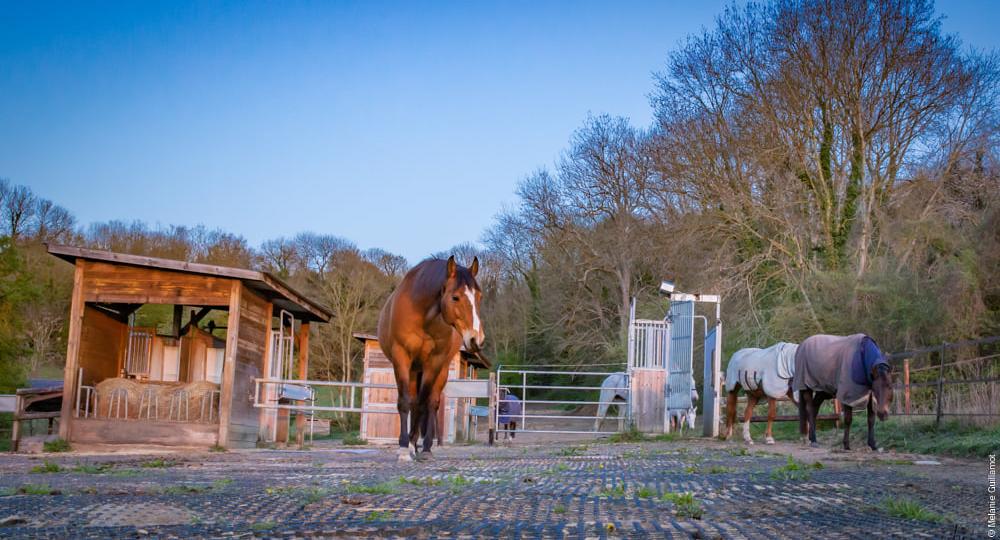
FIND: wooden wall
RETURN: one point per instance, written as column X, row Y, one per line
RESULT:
column 647, row 399
column 104, row 282
column 251, row 345
column 101, row 341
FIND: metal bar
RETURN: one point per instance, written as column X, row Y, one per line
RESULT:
column 951, row 414
column 564, row 402
column 553, row 431
column 305, row 382
column 561, row 417
column 562, row 387
column 535, row 372
column 958, row 363
column 323, row 408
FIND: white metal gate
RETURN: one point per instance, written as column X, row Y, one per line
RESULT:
column 537, row 412
column 681, row 357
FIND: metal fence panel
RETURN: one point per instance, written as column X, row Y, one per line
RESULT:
column 681, row 356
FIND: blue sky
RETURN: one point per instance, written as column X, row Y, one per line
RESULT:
column 404, row 126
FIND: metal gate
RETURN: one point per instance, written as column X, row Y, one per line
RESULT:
column 537, row 395
column 680, row 366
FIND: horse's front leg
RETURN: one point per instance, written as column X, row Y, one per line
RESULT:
column 772, row 412
column 433, row 392
column 747, row 415
column 404, row 400
column 805, row 396
column 871, row 423
column 848, row 417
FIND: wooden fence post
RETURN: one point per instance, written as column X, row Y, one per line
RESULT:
column 906, row 385
column 940, row 387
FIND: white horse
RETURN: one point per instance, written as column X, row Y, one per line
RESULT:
column 613, row 389
column 760, row 373
column 678, row 416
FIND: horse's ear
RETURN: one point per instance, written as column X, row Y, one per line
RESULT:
column 452, row 267
column 474, row 269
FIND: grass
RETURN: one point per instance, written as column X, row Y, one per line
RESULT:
column 263, row 526
column 184, row 489
column 353, row 439
column 420, row 481
column 615, row 491
column 46, row 467
column 685, row 505
column 645, row 493
column 87, row 468
column 794, row 470
column 385, row 488
column 559, row 509
column 57, row 445
column 910, row 509
column 630, row 435
column 953, row 438
column 379, row 515
column 222, row 483
column 217, row 448
column 37, row 489
column 571, row 451
column 157, row 464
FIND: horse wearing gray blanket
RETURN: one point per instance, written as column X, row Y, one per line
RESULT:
column 851, row 369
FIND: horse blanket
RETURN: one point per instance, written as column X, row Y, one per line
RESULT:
column 510, row 409
column 770, row 369
column 838, row 365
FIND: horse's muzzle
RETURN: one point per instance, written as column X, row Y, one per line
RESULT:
column 882, row 415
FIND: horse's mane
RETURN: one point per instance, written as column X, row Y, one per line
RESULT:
column 430, row 274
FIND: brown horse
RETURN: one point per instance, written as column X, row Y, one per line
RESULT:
column 423, row 325
column 849, row 368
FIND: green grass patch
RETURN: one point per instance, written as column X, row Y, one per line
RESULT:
column 263, row 526
column 910, row 509
column 617, row 490
column 379, row 515
column 87, row 468
column 559, row 509
column 46, row 467
column 57, row 445
column 953, row 438
column 719, row 469
column 420, row 481
column 571, row 451
column 157, row 464
column 384, row 488
column 222, row 483
column 794, row 470
column 37, row 489
column 685, row 505
column 184, row 489
column 630, row 435
column 217, row 448
column 645, row 492
column 353, row 439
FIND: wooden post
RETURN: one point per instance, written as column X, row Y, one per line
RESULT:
column 15, row 434
column 940, row 387
column 906, row 385
column 837, row 410
column 229, row 363
column 71, row 371
column 303, row 374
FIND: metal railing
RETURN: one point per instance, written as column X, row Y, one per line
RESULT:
column 525, row 401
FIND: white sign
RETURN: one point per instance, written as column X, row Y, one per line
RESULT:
column 467, row 388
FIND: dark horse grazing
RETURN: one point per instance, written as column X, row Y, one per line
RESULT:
column 423, row 325
column 850, row 368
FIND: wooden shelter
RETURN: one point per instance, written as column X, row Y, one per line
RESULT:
column 190, row 387
column 383, row 427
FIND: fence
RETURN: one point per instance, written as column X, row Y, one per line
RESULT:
column 950, row 380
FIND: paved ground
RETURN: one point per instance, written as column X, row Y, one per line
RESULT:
column 553, row 490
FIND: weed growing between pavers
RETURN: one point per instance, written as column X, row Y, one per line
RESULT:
column 645, row 493
column 794, row 470
column 559, row 509
column 384, row 488
column 685, row 505
column 37, row 489
column 87, row 468
column 379, row 515
column 158, row 463
column 215, row 448
column 352, row 439
column 910, row 509
column 263, row 526
column 57, row 445
column 571, row 451
column 46, row 467
column 614, row 491
column 429, row 481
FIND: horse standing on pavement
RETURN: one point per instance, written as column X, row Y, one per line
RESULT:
column 423, row 325
column 760, row 373
column 849, row 368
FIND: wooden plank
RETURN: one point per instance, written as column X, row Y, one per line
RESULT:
column 72, row 351
column 101, row 337
column 648, row 399
column 229, row 364
column 100, row 430
column 303, row 374
column 108, row 283
column 251, row 344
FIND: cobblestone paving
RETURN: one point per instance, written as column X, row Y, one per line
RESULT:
column 567, row 490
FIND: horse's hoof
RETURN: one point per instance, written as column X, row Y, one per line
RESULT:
column 816, row 445
column 426, row 455
column 769, row 440
column 403, row 455
column 748, row 441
